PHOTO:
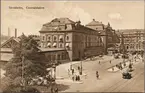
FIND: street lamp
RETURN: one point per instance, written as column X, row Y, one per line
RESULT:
column 81, row 68
column 54, row 69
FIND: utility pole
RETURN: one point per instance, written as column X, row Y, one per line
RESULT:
column 81, row 72
column 123, row 48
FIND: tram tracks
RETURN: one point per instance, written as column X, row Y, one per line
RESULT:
column 126, row 84
column 118, row 86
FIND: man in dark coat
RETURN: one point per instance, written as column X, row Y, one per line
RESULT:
column 97, row 74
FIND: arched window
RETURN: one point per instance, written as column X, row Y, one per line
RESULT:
column 67, row 37
column 127, row 47
column 43, row 37
column 60, row 45
column 54, row 38
column 61, row 38
column 48, row 38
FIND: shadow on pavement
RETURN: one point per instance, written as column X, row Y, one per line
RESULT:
column 62, row 87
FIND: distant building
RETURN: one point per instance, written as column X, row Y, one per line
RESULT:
column 6, row 49
column 6, row 52
column 133, row 39
column 70, row 40
column 108, row 35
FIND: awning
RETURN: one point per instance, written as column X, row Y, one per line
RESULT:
column 67, row 45
column 54, row 44
column 49, row 44
column 60, row 37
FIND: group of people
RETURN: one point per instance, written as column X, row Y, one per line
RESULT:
column 75, row 76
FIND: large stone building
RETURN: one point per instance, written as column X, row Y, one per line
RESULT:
column 133, row 39
column 108, row 35
column 63, row 39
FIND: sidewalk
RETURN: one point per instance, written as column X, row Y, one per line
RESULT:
column 62, row 70
column 68, row 81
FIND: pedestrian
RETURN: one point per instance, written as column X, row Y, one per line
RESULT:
column 78, row 78
column 78, row 68
column 73, row 78
column 110, row 61
column 112, row 68
column 97, row 74
column 72, row 71
column 99, row 62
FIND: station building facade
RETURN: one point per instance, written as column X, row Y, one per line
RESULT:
column 70, row 40
column 108, row 35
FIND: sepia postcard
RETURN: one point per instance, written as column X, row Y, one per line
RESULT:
column 52, row 46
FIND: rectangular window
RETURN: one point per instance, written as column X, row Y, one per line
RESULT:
column 43, row 38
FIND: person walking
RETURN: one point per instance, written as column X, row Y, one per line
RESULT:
column 99, row 62
column 97, row 74
column 78, row 68
column 110, row 61
column 73, row 78
column 78, row 78
column 72, row 71
column 112, row 68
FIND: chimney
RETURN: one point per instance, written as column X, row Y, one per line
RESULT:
column 9, row 32
column 15, row 32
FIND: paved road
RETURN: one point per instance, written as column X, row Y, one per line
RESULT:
column 136, row 84
column 108, row 81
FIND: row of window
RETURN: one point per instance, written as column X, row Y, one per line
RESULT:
column 132, row 47
column 55, row 45
column 54, row 38
column 62, row 56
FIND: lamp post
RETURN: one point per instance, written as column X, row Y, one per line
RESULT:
column 54, row 69
column 81, row 68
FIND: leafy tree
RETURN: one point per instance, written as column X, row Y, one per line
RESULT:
column 26, row 58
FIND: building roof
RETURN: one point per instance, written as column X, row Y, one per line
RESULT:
column 58, row 24
column 59, row 21
column 92, row 23
column 9, row 40
column 61, row 24
column 129, row 31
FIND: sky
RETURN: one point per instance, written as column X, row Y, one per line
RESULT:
column 120, row 14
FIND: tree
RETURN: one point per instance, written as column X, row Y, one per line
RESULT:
column 26, row 59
